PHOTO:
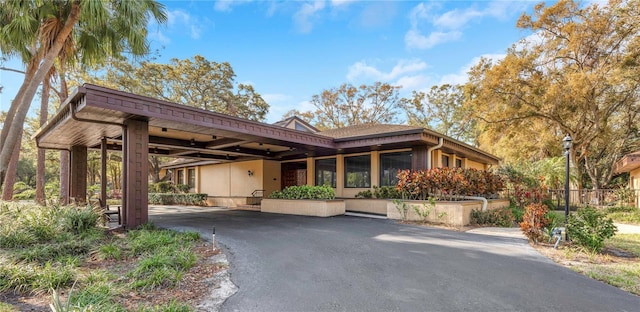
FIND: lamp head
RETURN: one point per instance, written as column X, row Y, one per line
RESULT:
column 567, row 142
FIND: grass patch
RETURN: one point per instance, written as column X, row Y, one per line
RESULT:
column 627, row 242
column 65, row 249
column 5, row 307
column 625, row 276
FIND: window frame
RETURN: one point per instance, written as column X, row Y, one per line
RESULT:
column 383, row 179
column 334, row 173
column 366, row 175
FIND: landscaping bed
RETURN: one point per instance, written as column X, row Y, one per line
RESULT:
column 64, row 250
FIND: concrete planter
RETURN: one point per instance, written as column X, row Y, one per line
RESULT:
column 367, row 205
column 455, row 213
column 304, row 207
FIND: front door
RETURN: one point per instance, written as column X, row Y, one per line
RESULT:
column 294, row 174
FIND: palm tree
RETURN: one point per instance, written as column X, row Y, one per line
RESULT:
column 85, row 31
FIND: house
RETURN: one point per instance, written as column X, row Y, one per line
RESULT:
column 233, row 157
column 630, row 163
column 365, row 156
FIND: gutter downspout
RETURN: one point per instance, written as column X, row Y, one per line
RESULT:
column 484, row 200
column 431, row 149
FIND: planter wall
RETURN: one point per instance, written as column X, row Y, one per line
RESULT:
column 455, row 213
column 304, row 207
column 376, row 206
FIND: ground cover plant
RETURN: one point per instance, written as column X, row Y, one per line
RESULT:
column 624, row 214
column 61, row 255
column 323, row 192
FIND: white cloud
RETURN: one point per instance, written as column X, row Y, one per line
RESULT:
column 303, row 17
column 448, row 26
column 414, row 39
column 227, row 5
column 362, row 70
column 416, row 82
column 177, row 20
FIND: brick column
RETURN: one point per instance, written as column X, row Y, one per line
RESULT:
column 136, row 164
column 78, row 174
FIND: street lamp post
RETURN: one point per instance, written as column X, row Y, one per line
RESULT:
column 567, row 142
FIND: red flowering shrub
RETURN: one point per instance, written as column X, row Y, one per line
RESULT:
column 447, row 183
column 534, row 221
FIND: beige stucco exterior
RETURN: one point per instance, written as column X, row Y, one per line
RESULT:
column 229, row 184
column 634, row 183
column 455, row 213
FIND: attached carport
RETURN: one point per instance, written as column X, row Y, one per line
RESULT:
column 104, row 119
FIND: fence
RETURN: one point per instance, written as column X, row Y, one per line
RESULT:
column 597, row 198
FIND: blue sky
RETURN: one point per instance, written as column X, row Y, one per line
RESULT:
column 292, row 50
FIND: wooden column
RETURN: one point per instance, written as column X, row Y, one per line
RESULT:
column 136, row 170
column 419, row 158
column 103, row 172
column 78, row 174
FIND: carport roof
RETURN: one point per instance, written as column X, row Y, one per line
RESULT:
column 93, row 112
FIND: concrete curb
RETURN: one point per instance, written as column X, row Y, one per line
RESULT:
column 220, row 284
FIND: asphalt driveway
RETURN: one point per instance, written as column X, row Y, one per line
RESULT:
column 294, row 263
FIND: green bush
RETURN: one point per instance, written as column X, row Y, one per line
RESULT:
column 183, row 188
column 305, row 192
column 364, row 194
column 386, row 192
column 496, row 217
column 161, row 187
column 517, row 212
column 622, row 209
column 589, row 228
column 78, row 220
column 196, row 199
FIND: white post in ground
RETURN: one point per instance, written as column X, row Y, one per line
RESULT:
column 213, row 239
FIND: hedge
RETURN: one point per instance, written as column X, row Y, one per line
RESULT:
column 197, row 199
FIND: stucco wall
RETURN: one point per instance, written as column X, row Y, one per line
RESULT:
column 456, row 213
column 241, row 183
column 214, row 180
column 271, row 177
column 474, row 165
column 634, row 183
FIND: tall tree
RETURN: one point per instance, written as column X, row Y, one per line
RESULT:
column 441, row 110
column 577, row 75
column 86, row 30
column 349, row 105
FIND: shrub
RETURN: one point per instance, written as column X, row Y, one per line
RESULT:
column 589, row 228
column 534, row 221
column 386, row 192
column 77, row 220
column 196, row 199
column 183, row 188
column 494, row 217
column 448, row 183
column 364, row 194
column 402, row 208
column 305, row 192
column 161, row 187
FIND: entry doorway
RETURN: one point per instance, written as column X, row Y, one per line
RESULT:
column 294, row 173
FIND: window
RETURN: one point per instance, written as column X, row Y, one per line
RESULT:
column 390, row 163
column 445, row 161
column 459, row 163
column 191, row 177
column 180, row 176
column 357, row 171
column 326, row 172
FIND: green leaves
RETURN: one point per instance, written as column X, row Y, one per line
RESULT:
column 305, row 192
column 589, row 228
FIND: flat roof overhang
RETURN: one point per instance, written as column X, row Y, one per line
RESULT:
column 92, row 113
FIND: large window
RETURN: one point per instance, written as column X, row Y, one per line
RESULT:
column 445, row 161
column 390, row 163
column 191, row 177
column 180, row 175
column 357, row 171
column 326, row 172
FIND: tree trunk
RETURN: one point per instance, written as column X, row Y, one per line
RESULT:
column 40, row 170
column 14, row 124
column 7, row 191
